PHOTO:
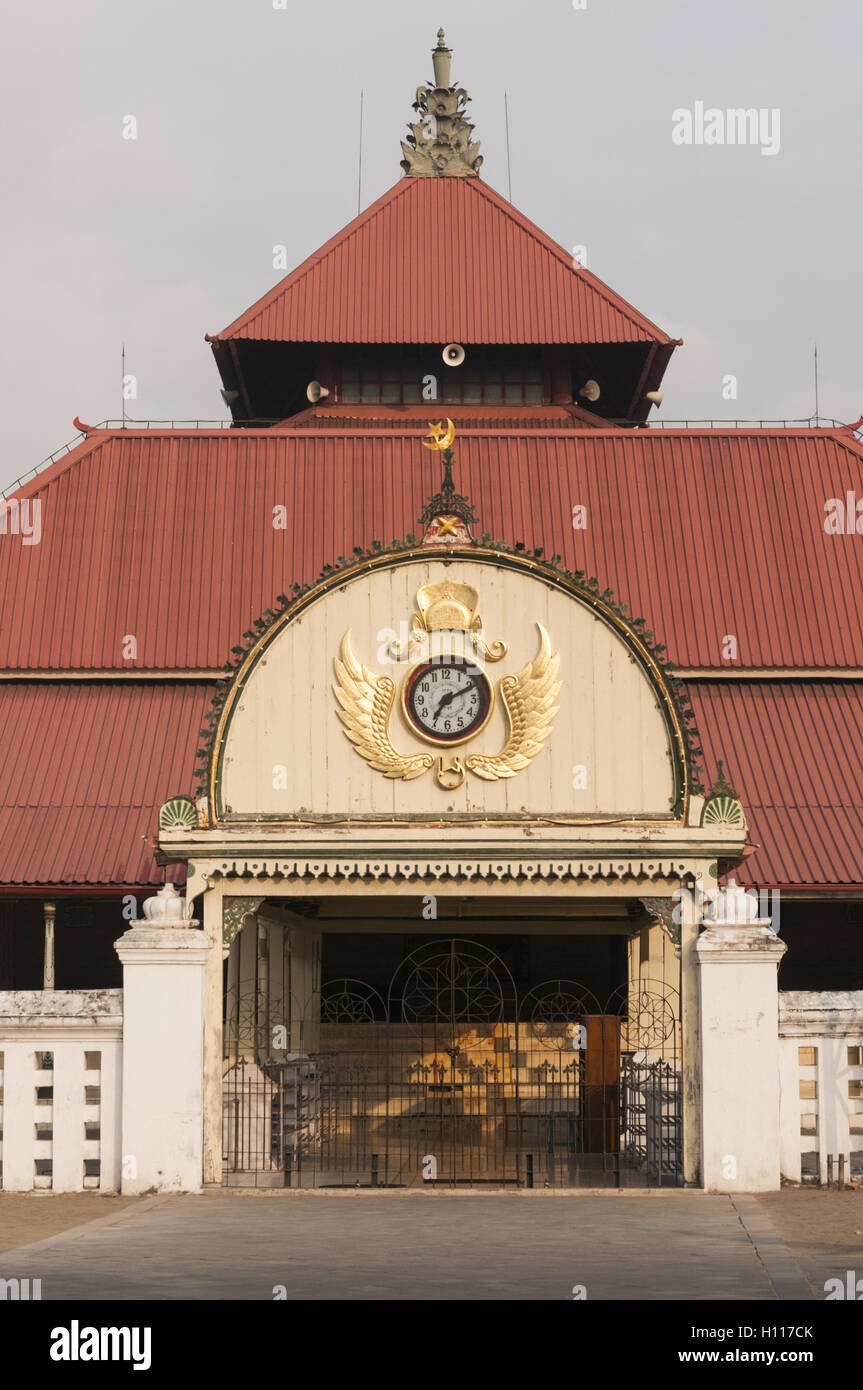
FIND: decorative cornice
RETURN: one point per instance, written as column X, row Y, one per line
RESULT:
column 142, row 945
column 753, row 944
column 439, row 870
column 825, row 1014
column 47, row 1032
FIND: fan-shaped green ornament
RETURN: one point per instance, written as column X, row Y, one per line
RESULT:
column 723, row 810
column 178, row 814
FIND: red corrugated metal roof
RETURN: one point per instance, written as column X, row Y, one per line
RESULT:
column 167, row 535
column 84, row 769
column 792, row 751
column 78, row 796
column 442, row 260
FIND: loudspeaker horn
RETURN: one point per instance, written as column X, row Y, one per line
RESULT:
column 590, row 390
column 453, row 354
column 315, row 392
column 655, row 397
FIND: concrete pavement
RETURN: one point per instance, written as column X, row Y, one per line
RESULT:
column 419, row 1245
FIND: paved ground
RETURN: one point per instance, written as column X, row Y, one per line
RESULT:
column 26, row 1216
column 437, row 1245
column 823, row 1231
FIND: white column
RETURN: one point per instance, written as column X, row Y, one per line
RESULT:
column 738, row 959
column 791, row 1144
column 111, row 1116
column 50, row 915
column 689, row 1036
column 304, row 1034
column 163, row 1026
column 213, row 1040
column 67, row 1117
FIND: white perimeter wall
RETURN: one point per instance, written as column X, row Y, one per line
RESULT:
column 60, row 1083
column 46, row 1111
column 820, row 1082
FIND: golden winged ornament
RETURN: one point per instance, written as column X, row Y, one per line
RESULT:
column 529, row 699
column 366, row 702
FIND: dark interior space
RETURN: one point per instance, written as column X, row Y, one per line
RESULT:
column 825, row 945
column 84, row 936
column 824, row 939
column 597, row 963
column 21, row 943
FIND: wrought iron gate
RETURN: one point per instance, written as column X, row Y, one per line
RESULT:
column 454, row 1080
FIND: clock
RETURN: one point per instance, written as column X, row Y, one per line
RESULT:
column 447, row 700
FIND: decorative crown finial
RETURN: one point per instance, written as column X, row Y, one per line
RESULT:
column 441, row 144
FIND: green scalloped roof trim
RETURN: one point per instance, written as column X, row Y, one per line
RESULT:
column 589, row 589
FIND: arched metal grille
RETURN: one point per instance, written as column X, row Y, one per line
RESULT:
column 350, row 1001
column 459, row 986
column 556, row 1011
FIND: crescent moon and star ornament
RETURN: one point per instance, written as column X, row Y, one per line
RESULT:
column 440, row 437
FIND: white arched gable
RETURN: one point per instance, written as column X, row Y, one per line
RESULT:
column 283, row 751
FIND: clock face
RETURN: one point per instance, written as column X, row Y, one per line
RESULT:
column 447, row 700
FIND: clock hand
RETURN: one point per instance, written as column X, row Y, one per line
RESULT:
column 447, row 699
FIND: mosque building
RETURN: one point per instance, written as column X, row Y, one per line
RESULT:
column 442, row 772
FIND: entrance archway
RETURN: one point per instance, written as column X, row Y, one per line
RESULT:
column 451, row 1078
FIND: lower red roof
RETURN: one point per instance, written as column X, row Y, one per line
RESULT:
column 80, row 793
column 792, row 750
column 84, row 769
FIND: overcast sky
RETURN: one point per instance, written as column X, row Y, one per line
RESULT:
column 247, row 137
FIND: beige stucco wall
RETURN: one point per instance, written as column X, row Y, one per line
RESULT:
column 610, row 720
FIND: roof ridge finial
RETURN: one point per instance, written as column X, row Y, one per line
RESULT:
column 441, row 142
column 447, row 516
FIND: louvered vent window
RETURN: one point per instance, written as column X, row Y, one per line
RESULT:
column 399, row 381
